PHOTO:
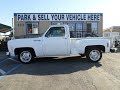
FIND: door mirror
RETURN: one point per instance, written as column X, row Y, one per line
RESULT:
column 48, row 34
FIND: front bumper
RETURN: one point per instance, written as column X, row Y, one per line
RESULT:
column 8, row 53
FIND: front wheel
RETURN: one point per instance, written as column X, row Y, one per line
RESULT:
column 25, row 56
column 94, row 55
column 82, row 55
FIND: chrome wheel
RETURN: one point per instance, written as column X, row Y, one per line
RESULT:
column 25, row 56
column 94, row 55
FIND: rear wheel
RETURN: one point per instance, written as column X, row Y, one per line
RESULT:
column 94, row 55
column 25, row 56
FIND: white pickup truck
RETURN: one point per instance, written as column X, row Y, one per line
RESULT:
column 56, row 41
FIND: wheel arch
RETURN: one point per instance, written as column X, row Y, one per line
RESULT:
column 18, row 50
column 101, row 47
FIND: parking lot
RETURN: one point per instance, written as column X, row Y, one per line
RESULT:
column 68, row 73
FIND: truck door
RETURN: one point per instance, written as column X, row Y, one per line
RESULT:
column 55, row 42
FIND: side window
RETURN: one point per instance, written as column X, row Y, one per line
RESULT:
column 55, row 32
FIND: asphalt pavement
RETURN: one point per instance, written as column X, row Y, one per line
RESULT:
column 63, row 73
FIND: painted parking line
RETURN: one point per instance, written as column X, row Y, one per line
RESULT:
column 12, row 59
column 2, row 72
column 9, row 59
column 14, row 68
column 3, row 61
column 9, row 71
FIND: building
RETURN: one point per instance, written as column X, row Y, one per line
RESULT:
column 5, row 28
column 80, row 24
column 112, row 32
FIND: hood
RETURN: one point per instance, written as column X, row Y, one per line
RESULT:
column 23, row 41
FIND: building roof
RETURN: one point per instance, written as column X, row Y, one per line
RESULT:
column 4, row 28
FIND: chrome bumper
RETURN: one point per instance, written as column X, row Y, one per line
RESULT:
column 8, row 53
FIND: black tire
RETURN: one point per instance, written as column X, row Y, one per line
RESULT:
column 82, row 55
column 26, row 59
column 94, row 54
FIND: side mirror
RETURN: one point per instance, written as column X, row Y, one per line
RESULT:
column 46, row 35
column 49, row 35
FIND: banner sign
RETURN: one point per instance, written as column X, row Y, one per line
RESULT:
column 58, row 17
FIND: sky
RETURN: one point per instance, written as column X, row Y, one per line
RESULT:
column 109, row 8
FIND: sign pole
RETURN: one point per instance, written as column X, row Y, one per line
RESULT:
column 13, row 27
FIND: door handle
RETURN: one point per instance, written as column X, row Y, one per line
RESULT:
column 64, row 38
column 37, row 40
